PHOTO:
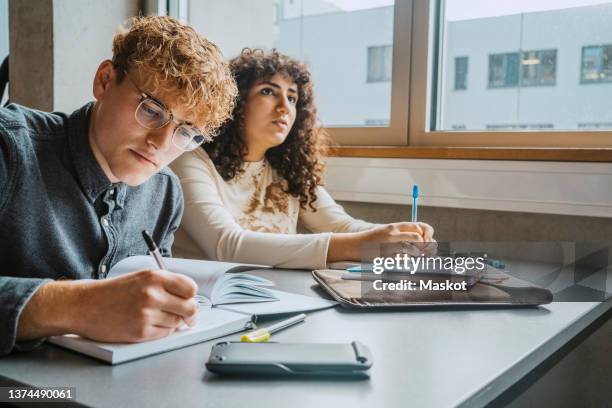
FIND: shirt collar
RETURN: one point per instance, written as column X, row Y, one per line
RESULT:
column 92, row 178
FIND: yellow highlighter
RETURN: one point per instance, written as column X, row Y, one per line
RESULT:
column 263, row 334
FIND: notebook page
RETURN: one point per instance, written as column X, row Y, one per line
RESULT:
column 204, row 273
column 287, row 303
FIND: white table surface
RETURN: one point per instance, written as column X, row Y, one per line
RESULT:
column 422, row 358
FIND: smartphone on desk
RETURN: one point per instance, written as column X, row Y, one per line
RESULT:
column 350, row 360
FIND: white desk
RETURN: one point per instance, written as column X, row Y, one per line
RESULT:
column 425, row 358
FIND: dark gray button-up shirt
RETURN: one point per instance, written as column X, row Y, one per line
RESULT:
column 60, row 216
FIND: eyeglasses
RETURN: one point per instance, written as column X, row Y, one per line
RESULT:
column 152, row 114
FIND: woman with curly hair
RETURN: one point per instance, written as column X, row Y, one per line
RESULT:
column 246, row 191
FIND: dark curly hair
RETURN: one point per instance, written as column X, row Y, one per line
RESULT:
column 299, row 159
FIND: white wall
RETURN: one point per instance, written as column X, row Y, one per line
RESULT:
column 535, row 187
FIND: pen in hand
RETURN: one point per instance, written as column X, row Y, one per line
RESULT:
column 431, row 248
column 415, row 196
column 154, row 252
column 415, row 204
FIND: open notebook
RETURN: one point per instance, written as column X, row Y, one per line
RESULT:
column 229, row 303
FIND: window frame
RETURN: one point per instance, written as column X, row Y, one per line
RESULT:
column 408, row 135
column 421, row 120
column 416, row 31
column 396, row 133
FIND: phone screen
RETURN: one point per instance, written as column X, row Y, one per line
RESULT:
column 288, row 353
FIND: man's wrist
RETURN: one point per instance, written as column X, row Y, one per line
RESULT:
column 52, row 310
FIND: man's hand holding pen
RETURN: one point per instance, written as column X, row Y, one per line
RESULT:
column 138, row 306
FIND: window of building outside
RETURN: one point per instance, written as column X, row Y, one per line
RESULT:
column 461, row 71
column 379, row 63
column 596, row 64
column 503, row 70
column 538, row 68
column 529, row 64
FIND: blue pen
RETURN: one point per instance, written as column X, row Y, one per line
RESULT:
column 415, row 196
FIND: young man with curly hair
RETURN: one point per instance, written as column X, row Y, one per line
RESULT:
column 78, row 189
column 246, row 191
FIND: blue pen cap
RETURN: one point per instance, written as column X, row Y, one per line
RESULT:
column 415, row 191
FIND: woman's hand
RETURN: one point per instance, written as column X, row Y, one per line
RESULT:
column 399, row 232
column 408, row 237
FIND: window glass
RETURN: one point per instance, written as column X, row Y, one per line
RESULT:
column 347, row 44
column 533, row 65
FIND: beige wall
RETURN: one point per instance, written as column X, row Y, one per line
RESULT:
column 31, row 53
column 453, row 224
column 56, row 46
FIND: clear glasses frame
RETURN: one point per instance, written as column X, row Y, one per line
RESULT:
column 152, row 114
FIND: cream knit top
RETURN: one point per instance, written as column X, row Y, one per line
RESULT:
column 251, row 219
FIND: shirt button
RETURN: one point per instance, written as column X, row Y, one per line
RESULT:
column 112, row 192
column 104, row 221
column 103, row 269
